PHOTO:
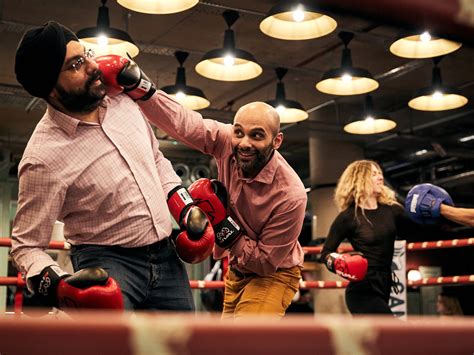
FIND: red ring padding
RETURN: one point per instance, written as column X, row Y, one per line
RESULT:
column 111, row 333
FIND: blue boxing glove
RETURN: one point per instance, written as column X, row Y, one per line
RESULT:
column 423, row 203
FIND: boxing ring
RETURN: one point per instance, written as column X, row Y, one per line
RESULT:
column 137, row 333
column 304, row 285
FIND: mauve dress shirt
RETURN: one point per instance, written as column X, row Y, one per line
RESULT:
column 269, row 207
column 107, row 182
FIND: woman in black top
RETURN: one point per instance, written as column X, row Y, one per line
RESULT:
column 370, row 219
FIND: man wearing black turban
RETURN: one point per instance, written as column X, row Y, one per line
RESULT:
column 92, row 162
column 39, row 62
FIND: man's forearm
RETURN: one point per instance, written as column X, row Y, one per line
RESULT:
column 464, row 216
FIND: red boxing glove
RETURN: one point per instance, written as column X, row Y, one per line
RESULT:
column 211, row 196
column 86, row 288
column 196, row 241
column 351, row 266
column 121, row 74
column 89, row 288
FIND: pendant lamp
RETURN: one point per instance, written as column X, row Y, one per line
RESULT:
column 104, row 39
column 371, row 121
column 422, row 45
column 190, row 97
column 290, row 111
column 347, row 80
column 229, row 63
column 437, row 97
column 296, row 20
column 158, row 7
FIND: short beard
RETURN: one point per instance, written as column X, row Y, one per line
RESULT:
column 82, row 100
column 253, row 167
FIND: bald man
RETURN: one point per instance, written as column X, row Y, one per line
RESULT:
column 266, row 199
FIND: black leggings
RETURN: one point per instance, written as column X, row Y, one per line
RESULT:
column 371, row 295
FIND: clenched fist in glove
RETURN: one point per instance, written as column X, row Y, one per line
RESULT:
column 196, row 240
column 423, row 203
column 211, row 196
column 351, row 266
column 121, row 74
column 86, row 288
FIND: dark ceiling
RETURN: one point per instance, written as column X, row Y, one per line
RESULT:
column 447, row 162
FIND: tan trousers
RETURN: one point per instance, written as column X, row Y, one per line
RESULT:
column 250, row 294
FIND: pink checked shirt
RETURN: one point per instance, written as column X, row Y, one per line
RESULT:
column 107, row 182
column 270, row 207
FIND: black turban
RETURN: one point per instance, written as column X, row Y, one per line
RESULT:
column 40, row 57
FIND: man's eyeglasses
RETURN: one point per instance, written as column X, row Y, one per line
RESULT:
column 80, row 61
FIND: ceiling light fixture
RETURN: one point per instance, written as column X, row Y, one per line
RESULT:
column 290, row 111
column 437, row 97
column 104, row 39
column 296, row 20
column 190, row 97
column 158, row 7
column 347, row 80
column 422, row 45
column 229, row 63
column 371, row 121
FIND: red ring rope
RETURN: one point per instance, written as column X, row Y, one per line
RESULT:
column 440, row 244
column 304, row 285
column 55, row 244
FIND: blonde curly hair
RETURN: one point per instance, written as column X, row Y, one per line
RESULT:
column 355, row 187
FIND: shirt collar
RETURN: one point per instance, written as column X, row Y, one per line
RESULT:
column 68, row 123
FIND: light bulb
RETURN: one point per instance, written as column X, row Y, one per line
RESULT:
column 298, row 14
column 229, row 60
column 369, row 119
column 102, row 40
column 280, row 108
column 437, row 95
column 180, row 95
column 346, row 78
column 425, row 37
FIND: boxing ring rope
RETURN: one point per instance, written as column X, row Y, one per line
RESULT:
column 304, row 285
column 59, row 245
column 310, row 285
column 440, row 244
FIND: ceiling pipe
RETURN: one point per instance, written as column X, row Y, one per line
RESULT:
column 420, row 127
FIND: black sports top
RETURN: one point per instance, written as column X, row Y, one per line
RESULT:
column 374, row 239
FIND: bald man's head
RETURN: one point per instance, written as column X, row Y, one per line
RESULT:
column 256, row 135
column 259, row 113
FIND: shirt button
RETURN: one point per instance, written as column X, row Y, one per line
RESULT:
column 231, row 202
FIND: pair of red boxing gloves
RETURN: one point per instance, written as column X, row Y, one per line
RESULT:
column 201, row 212
column 203, row 219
